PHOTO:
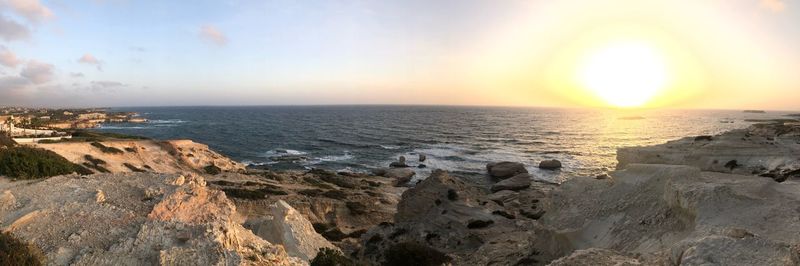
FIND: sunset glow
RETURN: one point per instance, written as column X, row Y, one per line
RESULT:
column 626, row 74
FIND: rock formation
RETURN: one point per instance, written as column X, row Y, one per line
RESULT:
column 173, row 156
column 287, row 227
column 447, row 215
column 184, row 223
column 503, row 170
column 770, row 150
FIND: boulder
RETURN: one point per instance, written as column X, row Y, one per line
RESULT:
column 422, row 157
column 503, row 170
column 291, row 229
column 516, row 183
column 400, row 163
column 401, row 175
column 502, row 195
column 550, row 164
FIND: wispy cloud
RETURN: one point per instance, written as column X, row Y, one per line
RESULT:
column 214, row 35
column 76, row 75
column 38, row 72
column 32, row 10
column 773, row 5
column 11, row 30
column 7, row 58
column 89, row 59
column 105, row 86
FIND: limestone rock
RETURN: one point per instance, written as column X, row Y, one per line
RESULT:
column 99, row 196
column 400, row 163
column 504, row 170
column 400, row 175
column 289, row 228
column 7, row 200
column 518, row 182
column 596, row 257
column 502, row 196
column 550, row 164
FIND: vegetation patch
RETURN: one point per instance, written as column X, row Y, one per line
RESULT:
column 335, row 194
column 133, row 168
column 212, row 170
column 16, row 252
column 256, row 194
column 106, row 149
column 414, row 254
column 6, row 141
column 32, row 163
column 86, row 135
column 93, row 160
column 331, row 257
column 96, row 167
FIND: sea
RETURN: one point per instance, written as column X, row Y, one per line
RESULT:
column 454, row 138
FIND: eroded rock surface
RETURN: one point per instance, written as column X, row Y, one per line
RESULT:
column 681, row 214
column 287, row 227
column 769, row 150
column 185, row 223
column 448, row 215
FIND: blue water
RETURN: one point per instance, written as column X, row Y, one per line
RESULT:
column 459, row 139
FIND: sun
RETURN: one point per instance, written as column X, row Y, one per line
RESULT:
column 624, row 73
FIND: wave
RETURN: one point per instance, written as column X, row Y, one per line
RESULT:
column 389, row 147
column 335, row 158
column 123, row 127
column 167, row 121
column 284, row 152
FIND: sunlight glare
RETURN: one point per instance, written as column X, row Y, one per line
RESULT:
column 624, row 74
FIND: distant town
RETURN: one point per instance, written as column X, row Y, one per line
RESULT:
column 33, row 124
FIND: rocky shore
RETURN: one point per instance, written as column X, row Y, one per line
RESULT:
column 729, row 199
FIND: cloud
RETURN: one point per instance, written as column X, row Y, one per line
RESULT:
column 7, row 58
column 76, row 74
column 38, row 72
column 91, row 60
column 212, row 34
column 104, row 86
column 773, row 5
column 13, row 83
column 32, row 10
column 138, row 49
column 11, row 30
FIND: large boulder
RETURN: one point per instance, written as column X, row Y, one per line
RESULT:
column 550, row 164
column 516, row 183
column 503, row 170
column 400, row 175
column 291, row 229
column 447, row 215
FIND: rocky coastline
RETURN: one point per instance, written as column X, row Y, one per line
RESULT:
column 728, row 199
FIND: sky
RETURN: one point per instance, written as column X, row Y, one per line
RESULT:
column 715, row 54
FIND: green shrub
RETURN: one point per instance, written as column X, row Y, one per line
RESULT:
column 133, row 168
column 212, row 170
column 31, row 163
column 93, row 160
column 106, row 149
column 414, row 254
column 15, row 252
column 331, row 257
column 85, row 134
column 6, row 141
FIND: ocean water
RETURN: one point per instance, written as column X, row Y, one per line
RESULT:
column 457, row 139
